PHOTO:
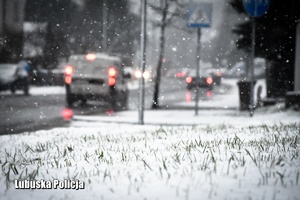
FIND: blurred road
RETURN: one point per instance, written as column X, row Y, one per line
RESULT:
column 20, row 113
column 173, row 91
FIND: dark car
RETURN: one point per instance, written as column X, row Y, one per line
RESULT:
column 57, row 74
column 14, row 77
column 216, row 75
column 204, row 81
column 182, row 74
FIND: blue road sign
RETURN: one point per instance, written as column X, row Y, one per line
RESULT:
column 256, row 8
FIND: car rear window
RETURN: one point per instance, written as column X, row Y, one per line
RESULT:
column 101, row 63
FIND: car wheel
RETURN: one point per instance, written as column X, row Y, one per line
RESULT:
column 113, row 98
column 83, row 102
column 26, row 91
column 13, row 89
column 26, row 87
column 70, row 100
column 124, row 101
column 118, row 100
column 189, row 87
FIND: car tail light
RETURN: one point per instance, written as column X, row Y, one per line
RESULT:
column 112, row 71
column 209, row 80
column 112, row 74
column 180, row 74
column 111, row 81
column 69, row 70
column 189, row 79
column 188, row 96
column 219, row 73
column 68, row 79
column 90, row 57
column 138, row 73
column 68, row 74
column 67, row 114
column 208, row 93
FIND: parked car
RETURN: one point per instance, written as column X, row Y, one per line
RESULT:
column 204, row 81
column 147, row 74
column 96, row 77
column 239, row 69
column 14, row 77
column 182, row 73
column 57, row 74
column 216, row 74
column 40, row 77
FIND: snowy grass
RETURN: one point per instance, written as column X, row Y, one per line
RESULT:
column 156, row 162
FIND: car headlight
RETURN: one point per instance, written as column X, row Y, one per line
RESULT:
column 146, row 75
column 137, row 74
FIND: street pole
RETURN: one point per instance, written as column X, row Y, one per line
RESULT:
column 142, row 62
column 252, row 68
column 255, row 8
column 197, row 68
column 104, row 26
column 297, row 59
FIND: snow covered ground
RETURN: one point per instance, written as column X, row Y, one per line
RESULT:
column 222, row 108
column 219, row 154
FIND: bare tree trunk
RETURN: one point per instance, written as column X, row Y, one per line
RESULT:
column 155, row 102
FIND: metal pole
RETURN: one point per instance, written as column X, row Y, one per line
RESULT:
column 252, row 68
column 143, row 62
column 198, row 69
column 104, row 26
column 2, row 14
column 297, row 59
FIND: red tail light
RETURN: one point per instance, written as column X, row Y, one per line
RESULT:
column 209, row 80
column 189, row 79
column 90, row 57
column 111, row 81
column 188, row 96
column 112, row 71
column 219, row 73
column 180, row 74
column 112, row 74
column 208, row 93
column 68, row 74
column 69, row 70
column 68, row 79
column 67, row 114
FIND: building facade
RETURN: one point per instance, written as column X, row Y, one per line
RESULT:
column 11, row 29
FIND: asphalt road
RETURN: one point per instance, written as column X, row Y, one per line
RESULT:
column 19, row 113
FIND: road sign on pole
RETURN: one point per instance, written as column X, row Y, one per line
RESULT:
column 199, row 16
column 142, row 62
column 297, row 60
column 256, row 8
column 104, row 25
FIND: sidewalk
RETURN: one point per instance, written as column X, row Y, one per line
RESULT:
column 223, row 109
